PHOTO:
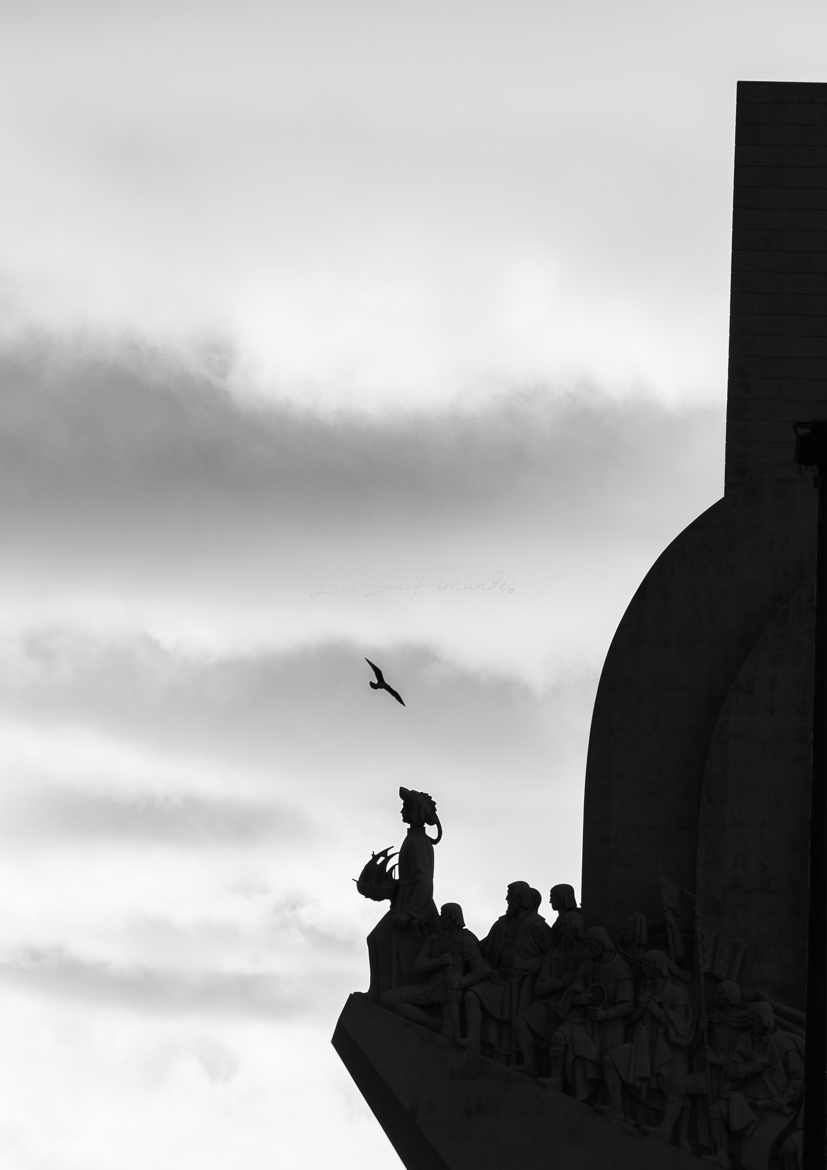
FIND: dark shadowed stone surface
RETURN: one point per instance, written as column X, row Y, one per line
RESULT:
column 657, row 752
column 778, row 295
column 440, row 1119
column 699, row 754
column 754, row 815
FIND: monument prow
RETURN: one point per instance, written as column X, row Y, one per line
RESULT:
column 664, row 1021
column 439, row 1118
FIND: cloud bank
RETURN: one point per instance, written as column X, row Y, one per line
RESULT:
column 134, row 432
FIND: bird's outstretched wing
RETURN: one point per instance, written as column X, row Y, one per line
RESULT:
column 395, row 694
column 379, row 676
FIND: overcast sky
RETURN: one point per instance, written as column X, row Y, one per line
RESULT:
column 325, row 331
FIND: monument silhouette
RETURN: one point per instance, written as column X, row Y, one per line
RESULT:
column 662, row 1021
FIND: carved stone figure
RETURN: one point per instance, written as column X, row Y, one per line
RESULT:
column 395, row 941
column 414, row 901
column 772, row 1081
column 573, row 1055
column 612, row 976
column 562, row 900
column 779, row 1058
column 448, row 963
column 729, row 1058
column 538, row 1022
column 657, row 1054
column 791, row 1149
column 514, row 948
column 598, row 1003
column 612, row 1024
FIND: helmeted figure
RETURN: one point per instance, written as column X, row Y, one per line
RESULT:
column 562, row 900
column 448, row 963
column 514, row 948
column 395, row 941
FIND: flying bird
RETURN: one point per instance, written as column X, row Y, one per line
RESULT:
column 381, row 685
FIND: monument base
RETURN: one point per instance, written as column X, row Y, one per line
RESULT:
column 441, row 1115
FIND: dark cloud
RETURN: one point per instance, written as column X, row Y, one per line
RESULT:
column 265, row 995
column 50, row 812
column 89, row 435
column 309, row 708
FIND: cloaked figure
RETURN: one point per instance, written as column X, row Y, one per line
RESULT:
column 448, row 963
column 791, row 1147
column 598, row 1003
column 777, row 1079
column 396, row 940
column 657, row 1054
column 569, row 915
column 729, row 1058
column 771, row 1081
column 538, row 1022
column 514, row 948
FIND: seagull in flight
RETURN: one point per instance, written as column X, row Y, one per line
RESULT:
column 381, row 685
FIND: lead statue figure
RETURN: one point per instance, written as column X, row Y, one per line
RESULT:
column 396, row 940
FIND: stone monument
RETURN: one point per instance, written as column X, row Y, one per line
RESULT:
column 664, row 1020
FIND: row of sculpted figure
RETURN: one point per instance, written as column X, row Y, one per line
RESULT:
column 620, row 1025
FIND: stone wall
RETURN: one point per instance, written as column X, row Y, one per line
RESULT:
column 698, row 764
column 778, row 302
